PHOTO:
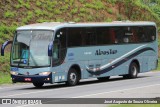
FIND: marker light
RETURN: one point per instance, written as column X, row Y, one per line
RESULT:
column 44, row 73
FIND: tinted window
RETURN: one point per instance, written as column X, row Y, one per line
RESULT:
column 110, row 35
column 150, row 33
column 90, row 37
column 119, row 34
column 129, row 35
column 134, row 34
column 61, row 36
column 59, row 50
column 125, row 35
column 81, row 37
column 145, row 34
column 74, row 37
column 105, row 36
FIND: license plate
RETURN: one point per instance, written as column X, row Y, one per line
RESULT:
column 27, row 79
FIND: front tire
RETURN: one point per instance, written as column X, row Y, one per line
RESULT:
column 73, row 77
column 38, row 84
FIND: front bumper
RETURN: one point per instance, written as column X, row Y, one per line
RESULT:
column 32, row 78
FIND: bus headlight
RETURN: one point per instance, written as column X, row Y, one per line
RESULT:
column 44, row 73
column 14, row 73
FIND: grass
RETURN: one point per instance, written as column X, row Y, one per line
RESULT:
column 119, row 17
column 108, row 20
column 64, row 8
column 5, row 78
column 27, row 5
column 38, row 12
column 76, row 19
column 136, row 105
column 82, row 10
column 111, row 1
column 109, row 10
column 6, row 32
column 18, row 6
column 97, row 5
column 38, row 3
column 158, row 68
column 9, row 14
column 74, row 11
column 57, row 11
column 82, row 1
column 82, row 15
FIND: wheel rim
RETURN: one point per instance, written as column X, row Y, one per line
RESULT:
column 73, row 77
column 134, row 71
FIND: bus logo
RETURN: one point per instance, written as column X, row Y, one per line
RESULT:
column 106, row 52
column 27, row 73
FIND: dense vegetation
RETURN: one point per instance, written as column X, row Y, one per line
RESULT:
column 16, row 13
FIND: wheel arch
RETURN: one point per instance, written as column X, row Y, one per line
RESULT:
column 77, row 68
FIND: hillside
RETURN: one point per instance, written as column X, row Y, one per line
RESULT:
column 14, row 13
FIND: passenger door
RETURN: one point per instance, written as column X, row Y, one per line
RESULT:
column 59, row 50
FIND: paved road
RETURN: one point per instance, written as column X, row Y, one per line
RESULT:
column 147, row 85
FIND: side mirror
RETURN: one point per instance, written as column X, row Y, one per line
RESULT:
column 4, row 46
column 50, row 47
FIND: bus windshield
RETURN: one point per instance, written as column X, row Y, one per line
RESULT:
column 30, row 48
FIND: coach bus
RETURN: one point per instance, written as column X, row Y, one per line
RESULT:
column 54, row 52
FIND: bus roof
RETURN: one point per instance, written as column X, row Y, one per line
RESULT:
column 56, row 25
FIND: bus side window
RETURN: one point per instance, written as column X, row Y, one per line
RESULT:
column 90, row 37
column 143, row 34
column 74, row 37
column 59, row 47
column 82, row 37
column 119, row 33
column 105, row 36
column 135, row 36
column 151, row 33
column 112, row 36
column 128, row 35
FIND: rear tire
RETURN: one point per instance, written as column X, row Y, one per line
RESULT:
column 103, row 78
column 73, row 77
column 133, row 71
column 38, row 84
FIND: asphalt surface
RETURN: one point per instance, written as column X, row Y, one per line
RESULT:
column 147, row 85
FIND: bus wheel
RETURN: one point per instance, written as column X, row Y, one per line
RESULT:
column 133, row 71
column 38, row 84
column 72, row 78
column 103, row 78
